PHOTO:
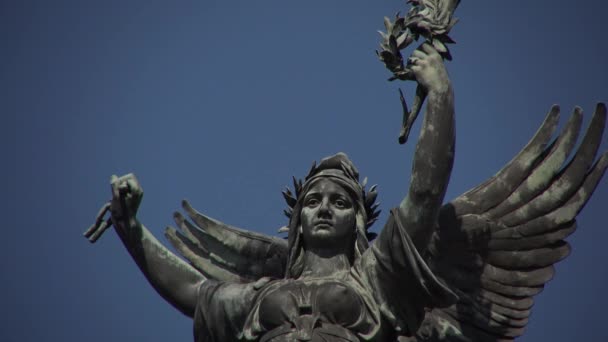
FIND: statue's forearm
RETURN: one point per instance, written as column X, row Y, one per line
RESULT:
column 431, row 167
column 175, row 280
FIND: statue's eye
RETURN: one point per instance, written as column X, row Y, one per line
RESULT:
column 341, row 203
column 312, row 202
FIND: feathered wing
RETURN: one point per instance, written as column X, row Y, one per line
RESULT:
column 496, row 244
column 226, row 253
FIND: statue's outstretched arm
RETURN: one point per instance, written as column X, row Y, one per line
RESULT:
column 174, row 279
column 434, row 153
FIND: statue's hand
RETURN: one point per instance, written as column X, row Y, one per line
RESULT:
column 428, row 68
column 126, row 197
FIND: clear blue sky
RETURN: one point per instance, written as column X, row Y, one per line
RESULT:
column 221, row 102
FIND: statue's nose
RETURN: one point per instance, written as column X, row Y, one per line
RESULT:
column 324, row 208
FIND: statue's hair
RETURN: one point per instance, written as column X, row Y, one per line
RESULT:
column 338, row 169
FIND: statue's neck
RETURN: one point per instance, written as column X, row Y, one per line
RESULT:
column 320, row 265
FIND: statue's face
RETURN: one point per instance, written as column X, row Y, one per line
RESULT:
column 328, row 215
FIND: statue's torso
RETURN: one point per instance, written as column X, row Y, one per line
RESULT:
column 312, row 310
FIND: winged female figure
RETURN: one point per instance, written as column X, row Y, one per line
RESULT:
column 466, row 270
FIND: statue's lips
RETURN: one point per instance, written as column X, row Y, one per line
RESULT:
column 323, row 225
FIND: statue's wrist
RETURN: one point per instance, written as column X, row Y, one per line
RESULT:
column 440, row 88
column 126, row 225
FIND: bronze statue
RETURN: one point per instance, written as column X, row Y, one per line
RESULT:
column 466, row 270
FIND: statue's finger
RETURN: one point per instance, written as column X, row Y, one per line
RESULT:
column 405, row 75
column 418, row 54
column 429, row 49
column 102, row 228
column 123, row 187
column 98, row 220
column 123, row 179
column 114, row 182
column 134, row 186
column 416, row 68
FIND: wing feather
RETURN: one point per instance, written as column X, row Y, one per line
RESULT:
column 514, row 307
column 531, row 242
column 533, row 277
column 535, row 258
column 509, row 313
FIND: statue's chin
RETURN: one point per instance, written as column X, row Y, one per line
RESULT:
column 326, row 237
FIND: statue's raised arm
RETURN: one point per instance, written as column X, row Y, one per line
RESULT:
column 434, row 154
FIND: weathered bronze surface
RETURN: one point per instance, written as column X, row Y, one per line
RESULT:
column 465, row 270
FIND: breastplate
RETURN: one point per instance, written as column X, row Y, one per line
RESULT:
column 318, row 310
